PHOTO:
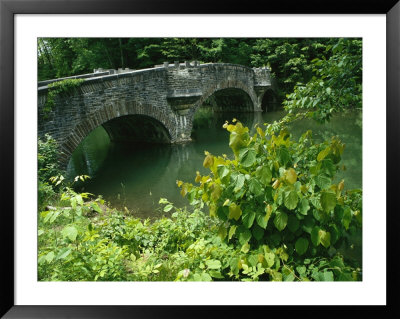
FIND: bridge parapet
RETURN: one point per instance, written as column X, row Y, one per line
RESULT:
column 262, row 76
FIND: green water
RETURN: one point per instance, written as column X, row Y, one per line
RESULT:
column 138, row 175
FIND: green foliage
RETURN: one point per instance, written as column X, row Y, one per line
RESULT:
column 279, row 193
column 58, row 88
column 336, row 84
column 47, row 168
column 47, row 158
column 288, row 58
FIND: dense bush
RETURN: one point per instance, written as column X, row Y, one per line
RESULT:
column 279, row 194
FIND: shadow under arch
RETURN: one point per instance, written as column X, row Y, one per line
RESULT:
column 123, row 120
column 269, row 101
column 227, row 88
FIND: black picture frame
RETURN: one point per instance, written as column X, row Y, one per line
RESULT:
column 8, row 10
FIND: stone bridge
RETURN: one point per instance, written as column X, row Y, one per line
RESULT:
column 150, row 105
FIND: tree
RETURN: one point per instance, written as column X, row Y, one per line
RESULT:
column 336, row 85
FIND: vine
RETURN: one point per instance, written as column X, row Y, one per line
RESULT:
column 57, row 88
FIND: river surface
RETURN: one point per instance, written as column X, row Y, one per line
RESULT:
column 136, row 176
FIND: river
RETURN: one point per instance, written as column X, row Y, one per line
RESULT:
column 136, row 176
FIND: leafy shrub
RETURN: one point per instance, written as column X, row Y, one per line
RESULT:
column 47, row 159
column 278, row 194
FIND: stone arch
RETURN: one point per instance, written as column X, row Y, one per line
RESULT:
column 109, row 112
column 227, row 84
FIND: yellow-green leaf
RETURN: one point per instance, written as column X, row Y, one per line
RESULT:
column 291, row 175
column 325, row 238
column 324, row 153
column 232, row 231
column 234, row 211
column 208, row 161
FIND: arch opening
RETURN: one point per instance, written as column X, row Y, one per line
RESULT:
column 93, row 150
column 269, row 102
column 229, row 100
column 137, row 129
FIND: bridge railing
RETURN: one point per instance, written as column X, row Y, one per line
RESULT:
column 261, row 75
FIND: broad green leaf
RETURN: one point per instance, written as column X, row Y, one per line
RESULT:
column 291, row 175
column 216, row 274
column 276, row 275
column 328, row 201
column 223, row 171
column 244, row 234
column 71, row 232
column 291, row 199
column 346, row 217
column 234, row 211
column 308, row 224
column 247, row 157
column 293, row 223
column 287, row 274
column 301, row 269
column 63, row 253
column 239, row 182
column 328, row 167
column 269, row 258
column 326, row 275
column 325, row 238
column 236, row 142
column 253, row 260
column 168, row 207
column 234, row 265
column 258, row 232
column 297, row 186
column 222, row 232
column 334, row 234
column 304, row 206
column 324, row 153
column 248, row 217
column 264, row 174
column 301, row 245
column 213, row 264
column 216, row 193
column 232, row 231
column 255, row 187
column 95, row 207
column 49, row 257
column 205, row 277
column 283, row 155
column 262, row 220
column 79, row 199
column 245, row 248
column 78, row 211
column 315, row 238
column 53, row 216
column 316, row 201
column 280, row 220
column 322, row 181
